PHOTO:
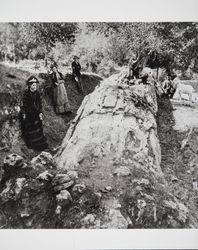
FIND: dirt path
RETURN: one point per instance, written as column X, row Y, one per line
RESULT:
column 178, row 135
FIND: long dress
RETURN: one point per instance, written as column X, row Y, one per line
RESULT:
column 31, row 126
column 61, row 101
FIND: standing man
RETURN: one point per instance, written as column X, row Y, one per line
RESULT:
column 76, row 68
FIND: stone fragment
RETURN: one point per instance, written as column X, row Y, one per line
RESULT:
column 114, row 220
column 12, row 161
column 7, row 193
column 60, row 179
column 122, row 171
column 73, row 174
column 108, row 188
column 46, row 176
column 42, row 161
column 58, row 210
column 195, row 184
column 174, row 179
column 63, row 198
column 20, row 182
column 89, row 219
column 80, row 188
column 63, row 186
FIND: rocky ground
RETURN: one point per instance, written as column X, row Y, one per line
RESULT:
column 42, row 191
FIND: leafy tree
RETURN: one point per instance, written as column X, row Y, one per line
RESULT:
column 46, row 35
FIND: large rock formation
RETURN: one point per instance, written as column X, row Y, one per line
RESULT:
column 108, row 175
column 113, row 145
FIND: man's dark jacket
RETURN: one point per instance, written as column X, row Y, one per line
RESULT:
column 76, row 68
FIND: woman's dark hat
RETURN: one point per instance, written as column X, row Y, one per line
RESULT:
column 75, row 57
column 31, row 80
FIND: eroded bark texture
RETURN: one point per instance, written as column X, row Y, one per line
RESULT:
column 114, row 146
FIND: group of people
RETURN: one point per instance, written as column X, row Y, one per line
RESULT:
column 168, row 87
column 31, row 109
column 31, row 115
column 60, row 97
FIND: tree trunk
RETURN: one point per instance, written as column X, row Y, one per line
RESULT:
column 46, row 55
column 157, row 75
column 14, row 52
column 46, row 63
column 113, row 142
column 145, row 60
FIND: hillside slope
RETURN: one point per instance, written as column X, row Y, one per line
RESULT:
column 12, row 82
column 122, row 164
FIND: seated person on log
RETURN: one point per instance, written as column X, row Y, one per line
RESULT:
column 168, row 86
column 134, row 68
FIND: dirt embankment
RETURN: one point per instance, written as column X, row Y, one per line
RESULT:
column 178, row 135
column 37, row 194
column 12, row 83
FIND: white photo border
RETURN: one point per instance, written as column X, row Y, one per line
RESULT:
column 98, row 11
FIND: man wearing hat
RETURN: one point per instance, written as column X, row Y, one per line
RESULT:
column 76, row 68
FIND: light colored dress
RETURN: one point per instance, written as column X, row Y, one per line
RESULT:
column 61, row 101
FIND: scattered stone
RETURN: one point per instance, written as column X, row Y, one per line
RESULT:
column 58, row 210
column 99, row 195
column 25, row 165
column 114, row 220
column 195, row 185
column 73, row 174
column 89, row 219
column 80, row 188
column 46, row 176
column 142, row 181
column 174, row 179
column 183, row 212
column 108, row 188
column 118, row 206
column 20, row 182
column 148, row 197
column 42, row 161
column 24, row 215
column 63, row 186
column 12, row 161
column 7, row 194
column 60, row 179
column 63, row 181
column 63, row 198
column 122, row 171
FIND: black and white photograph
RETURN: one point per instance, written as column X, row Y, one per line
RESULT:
column 99, row 125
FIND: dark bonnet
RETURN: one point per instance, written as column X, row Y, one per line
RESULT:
column 31, row 80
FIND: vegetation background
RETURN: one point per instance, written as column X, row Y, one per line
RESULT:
column 102, row 47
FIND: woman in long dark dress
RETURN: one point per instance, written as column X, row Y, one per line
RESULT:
column 31, row 120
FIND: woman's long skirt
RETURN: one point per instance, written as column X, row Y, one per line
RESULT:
column 32, row 132
column 61, row 100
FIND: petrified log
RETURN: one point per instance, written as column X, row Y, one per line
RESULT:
column 113, row 142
